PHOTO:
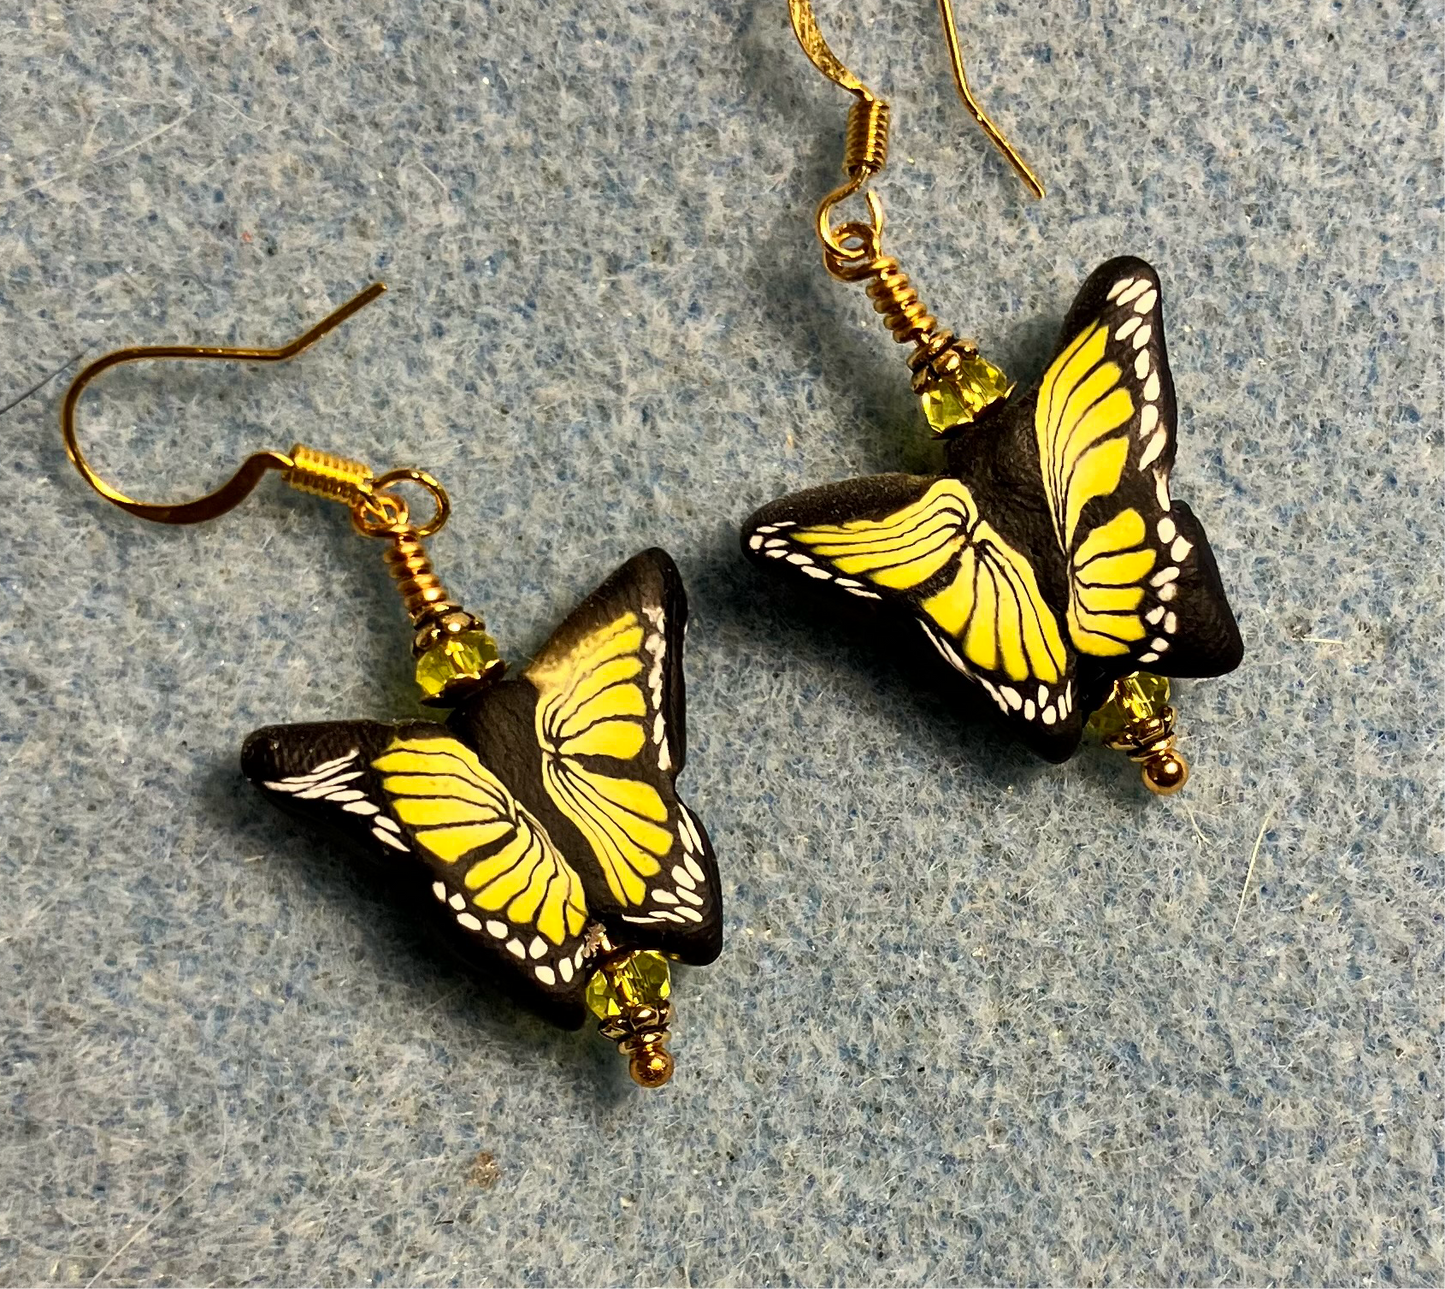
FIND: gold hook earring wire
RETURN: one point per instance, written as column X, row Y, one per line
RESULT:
column 252, row 470
column 975, row 108
column 866, row 147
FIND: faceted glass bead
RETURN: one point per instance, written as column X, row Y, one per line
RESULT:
column 1134, row 698
column 462, row 655
column 641, row 977
column 958, row 398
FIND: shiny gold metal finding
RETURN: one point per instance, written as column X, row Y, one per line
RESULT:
column 975, row 108
column 1136, row 719
column 235, row 490
column 455, row 654
column 865, row 150
column 1148, row 741
column 955, row 383
column 629, row 995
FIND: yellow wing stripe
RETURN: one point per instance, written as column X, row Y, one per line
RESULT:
column 443, row 785
column 486, row 871
column 621, row 740
column 415, row 756
column 888, row 536
column 904, row 549
column 991, row 603
column 1043, row 643
column 594, row 681
column 605, row 684
column 1081, row 402
column 994, row 605
column 1011, row 637
column 1124, row 531
column 600, row 693
column 592, row 703
column 556, row 920
column 952, row 607
column 1107, row 589
column 458, row 808
column 1084, row 403
column 618, row 639
column 1066, row 371
column 433, row 812
column 980, row 645
column 1095, row 471
column 1116, row 570
column 901, row 520
column 500, row 881
column 628, row 848
column 1079, row 428
column 1104, row 635
column 1110, row 599
column 450, row 844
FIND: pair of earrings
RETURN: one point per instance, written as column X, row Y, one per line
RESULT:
column 538, row 824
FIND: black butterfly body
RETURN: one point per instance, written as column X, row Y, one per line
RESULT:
column 543, row 811
column 1049, row 559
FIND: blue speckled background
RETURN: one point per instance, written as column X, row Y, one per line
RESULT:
column 978, row 1019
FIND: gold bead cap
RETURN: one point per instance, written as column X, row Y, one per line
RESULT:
column 1136, row 719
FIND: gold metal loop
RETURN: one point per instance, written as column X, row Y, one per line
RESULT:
column 385, row 514
column 851, row 244
column 253, row 468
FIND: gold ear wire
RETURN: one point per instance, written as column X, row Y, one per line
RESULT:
column 865, row 150
column 304, row 468
column 975, row 108
column 455, row 655
column 954, row 382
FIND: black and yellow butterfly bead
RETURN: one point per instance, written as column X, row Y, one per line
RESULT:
column 1050, row 559
column 539, row 822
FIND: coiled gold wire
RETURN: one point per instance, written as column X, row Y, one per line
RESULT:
column 324, row 474
column 865, row 146
column 379, row 512
column 892, row 292
column 422, row 592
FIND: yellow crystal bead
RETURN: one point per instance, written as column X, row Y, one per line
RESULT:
column 1134, row 698
column 958, row 398
column 641, row 978
column 456, row 656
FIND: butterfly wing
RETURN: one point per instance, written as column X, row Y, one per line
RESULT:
column 606, row 738
column 1144, row 589
column 927, row 547
column 422, row 804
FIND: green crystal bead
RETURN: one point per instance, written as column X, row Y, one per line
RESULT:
column 1135, row 698
column 461, row 656
column 958, row 398
column 639, row 978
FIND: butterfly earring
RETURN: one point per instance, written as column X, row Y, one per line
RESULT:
column 1048, row 565
column 537, row 826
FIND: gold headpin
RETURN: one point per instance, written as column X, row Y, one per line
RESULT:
column 629, row 994
column 455, row 655
column 952, row 380
column 1136, row 719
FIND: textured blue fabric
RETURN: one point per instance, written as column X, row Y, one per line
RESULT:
column 978, row 1019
